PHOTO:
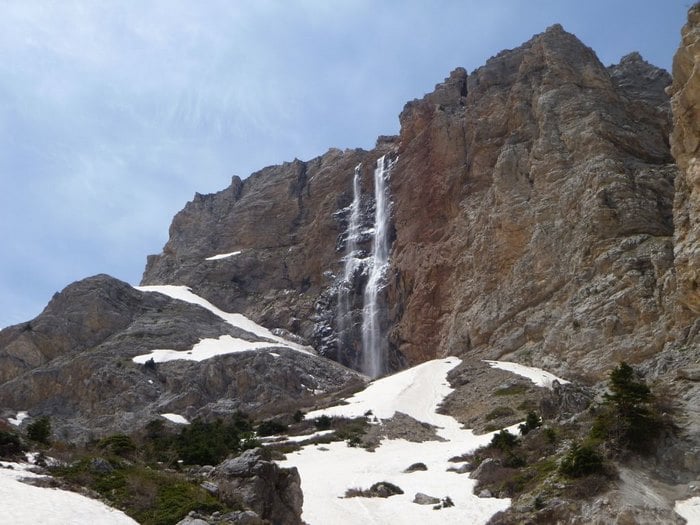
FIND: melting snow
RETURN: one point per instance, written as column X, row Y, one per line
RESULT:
column 17, row 420
column 689, row 509
column 536, row 375
column 176, row 418
column 328, row 471
column 183, row 293
column 222, row 256
column 205, row 349
column 24, row 504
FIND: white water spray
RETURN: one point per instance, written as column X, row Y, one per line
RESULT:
column 373, row 339
column 351, row 257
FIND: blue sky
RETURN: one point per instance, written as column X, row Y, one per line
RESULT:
column 114, row 113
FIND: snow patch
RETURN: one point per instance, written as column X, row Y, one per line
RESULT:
column 222, row 256
column 176, row 418
column 538, row 376
column 689, row 509
column 183, row 293
column 24, row 504
column 17, row 420
column 417, row 392
column 205, row 349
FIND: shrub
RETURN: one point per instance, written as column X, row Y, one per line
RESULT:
column 272, row 427
column 118, row 444
column 40, row 430
column 532, row 421
column 504, row 441
column 629, row 419
column 10, row 445
column 323, row 422
column 582, row 460
column 298, row 416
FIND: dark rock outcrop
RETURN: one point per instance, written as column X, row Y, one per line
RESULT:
column 272, row 492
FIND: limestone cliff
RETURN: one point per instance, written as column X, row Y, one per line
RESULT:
column 543, row 187
column 532, row 217
column 685, row 144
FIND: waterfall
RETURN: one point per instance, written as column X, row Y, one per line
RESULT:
column 353, row 229
column 360, row 270
column 373, row 338
column 344, row 317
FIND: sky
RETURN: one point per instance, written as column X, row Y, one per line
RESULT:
column 114, row 113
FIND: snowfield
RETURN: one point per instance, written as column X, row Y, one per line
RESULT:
column 327, row 471
column 536, row 375
column 689, row 509
column 208, row 348
column 23, row 504
column 205, row 349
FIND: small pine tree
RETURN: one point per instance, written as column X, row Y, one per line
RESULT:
column 532, row 421
column 504, row 441
column 40, row 430
column 630, row 420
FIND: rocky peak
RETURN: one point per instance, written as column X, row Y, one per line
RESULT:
column 639, row 80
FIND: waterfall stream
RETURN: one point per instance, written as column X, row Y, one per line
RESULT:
column 344, row 315
column 371, row 270
column 373, row 337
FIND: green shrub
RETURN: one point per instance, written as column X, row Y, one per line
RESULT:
column 532, row 421
column 323, row 422
column 10, row 445
column 629, row 420
column 118, row 444
column 40, row 430
column 582, row 460
column 270, row 428
column 504, row 441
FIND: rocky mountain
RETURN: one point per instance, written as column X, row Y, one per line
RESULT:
column 543, row 209
column 532, row 216
column 78, row 362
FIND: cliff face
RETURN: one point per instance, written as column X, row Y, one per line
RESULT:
column 685, row 144
column 542, row 185
column 532, row 216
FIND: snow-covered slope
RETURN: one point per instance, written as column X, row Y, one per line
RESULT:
column 226, row 344
column 538, row 376
column 327, row 471
column 23, row 504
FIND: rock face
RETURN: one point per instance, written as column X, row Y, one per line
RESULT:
column 274, row 493
column 543, row 184
column 685, row 144
column 289, row 224
column 532, row 217
column 74, row 363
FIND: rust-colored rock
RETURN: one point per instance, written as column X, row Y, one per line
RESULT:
column 533, row 210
